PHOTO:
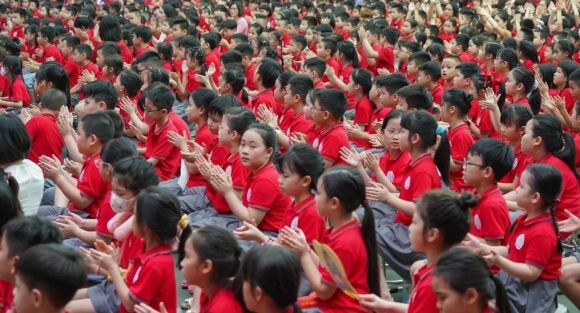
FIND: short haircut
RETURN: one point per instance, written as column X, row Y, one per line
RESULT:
column 392, row 83
column 72, row 41
column 300, row 41
column 419, row 57
column 58, row 271
column 102, row 90
column 118, row 122
column 211, row 39
column 161, row 97
column 25, row 232
column 14, row 139
column 300, row 85
column 231, row 57
column 131, row 81
column 100, row 125
column 21, row 12
column 53, row 99
column 463, row 41
column 143, row 32
column 149, row 59
column 468, row 69
column 417, row 97
column 316, row 64
column 240, row 38
column 115, row 62
column 221, row 104
column 575, row 77
column 431, row 68
column 332, row 100
column 85, row 49
column 188, row 42
column 47, row 32
column 229, row 24
column 245, row 49
column 495, row 154
column 109, row 48
column 269, row 70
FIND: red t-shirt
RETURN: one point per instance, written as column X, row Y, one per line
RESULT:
column 394, row 167
column 378, row 115
column 31, row 50
column 518, row 167
column 239, row 174
column 159, row 147
column 299, row 124
column 523, row 101
column 73, row 69
column 437, row 93
column 460, row 140
column 344, row 76
column 131, row 248
column 17, row 31
column 304, row 215
column 6, row 296
column 203, row 137
column 297, row 61
column 265, row 97
column 490, row 217
column 262, row 192
column 331, row 62
column 45, row 137
column 52, row 52
column 17, row 91
column 362, row 117
column 466, row 57
column 213, row 58
column 250, row 84
column 192, row 84
column 138, row 52
column 421, row 176
column 348, row 244
column 329, row 142
column 483, row 122
column 151, row 279
column 285, row 117
column 91, row 185
column 423, row 299
column 222, row 300
column 534, row 242
column 104, row 215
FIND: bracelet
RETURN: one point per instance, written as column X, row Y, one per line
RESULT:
column 267, row 242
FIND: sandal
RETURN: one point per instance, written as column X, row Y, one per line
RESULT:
column 186, row 304
column 184, row 285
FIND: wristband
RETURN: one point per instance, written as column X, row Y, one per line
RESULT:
column 267, row 242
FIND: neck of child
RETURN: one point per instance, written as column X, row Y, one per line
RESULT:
column 153, row 242
column 416, row 153
column 433, row 254
column 430, row 85
column 210, row 288
column 201, row 123
column 161, row 122
column 518, row 96
column 449, row 82
column 359, row 96
column 539, row 154
column 339, row 220
column 329, row 122
column 261, row 88
column 302, row 197
column 534, row 212
column 393, row 152
column 488, row 64
column 234, row 148
column 505, row 72
column 326, row 58
column 4, row 166
column 561, row 86
column 46, row 44
column 484, row 186
column 255, row 170
column 516, row 143
column 93, row 152
column 299, row 108
column 84, row 63
column 456, row 122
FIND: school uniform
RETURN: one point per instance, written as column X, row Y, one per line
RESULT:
column 518, row 167
column 393, row 241
column 423, row 299
column 52, row 52
column 490, row 218
column 475, row 106
column 151, row 279
column 192, row 84
column 45, row 136
column 329, row 141
column 319, row 84
column 386, row 58
column 158, row 146
column 466, row 57
column 344, row 76
column 213, row 58
column 140, row 52
column 529, row 64
column 265, row 97
column 17, row 91
column 566, row 94
column 460, row 140
column 285, row 117
column 17, row 31
column 348, row 244
column 297, row 61
column 437, row 93
column 522, row 101
column 73, row 70
column 104, row 215
column 533, row 242
column 378, row 115
column 222, row 300
column 331, row 62
column 362, row 118
column 250, row 71
column 299, row 124
column 483, row 122
column 304, row 215
column 6, row 296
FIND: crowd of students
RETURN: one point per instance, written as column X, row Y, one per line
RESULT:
column 440, row 137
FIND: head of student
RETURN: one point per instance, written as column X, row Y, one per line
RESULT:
column 414, row 97
column 52, row 100
column 199, row 102
column 47, row 278
column 267, row 73
column 234, row 124
column 113, row 152
column 14, row 139
column 258, row 146
column 217, row 108
column 129, row 177
column 297, row 90
column 463, row 282
column 488, row 161
column 52, row 75
column 100, row 95
column 20, row 234
column 158, row 102
column 301, row 168
column 329, row 106
column 455, row 104
column 94, row 131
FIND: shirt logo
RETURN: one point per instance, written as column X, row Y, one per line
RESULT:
column 477, row 221
column 520, row 241
column 478, row 121
column 136, row 277
column 249, row 195
column 294, row 223
column 390, row 176
column 315, row 143
column 229, row 171
column 515, row 163
column 320, row 147
column 408, row 182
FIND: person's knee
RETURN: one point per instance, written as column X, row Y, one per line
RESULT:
column 570, row 275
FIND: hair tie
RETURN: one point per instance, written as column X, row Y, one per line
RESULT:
column 535, row 86
column 365, row 203
column 563, row 145
column 184, row 221
column 440, row 130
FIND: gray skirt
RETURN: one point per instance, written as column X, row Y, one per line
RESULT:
column 540, row 296
column 104, row 298
column 394, row 247
column 194, row 200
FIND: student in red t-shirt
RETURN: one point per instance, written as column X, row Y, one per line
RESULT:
column 428, row 76
column 315, row 67
column 45, row 38
column 19, row 235
column 449, row 70
column 232, row 83
column 89, row 70
column 17, row 17
column 67, row 47
column 209, row 44
column 533, row 254
column 326, row 51
column 353, row 242
column 161, row 153
column 141, row 37
column 15, row 95
column 360, row 84
column 249, row 65
column 265, row 77
column 445, row 215
column 216, row 246
column 286, row 114
column 43, row 130
column 151, row 278
column 346, row 54
column 454, row 107
column 465, row 73
column 295, row 50
column 520, row 86
column 382, row 51
column 86, row 194
column 459, row 46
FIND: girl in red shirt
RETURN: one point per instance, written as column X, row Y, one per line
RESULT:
column 408, row 29
column 16, row 95
column 530, row 263
column 360, row 85
column 460, row 270
column 275, row 295
column 353, row 243
column 440, row 222
column 483, row 125
column 218, row 246
column 522, row 87
column 528, row 53
column 564, row 70
column 232, row 83
column 506, row 60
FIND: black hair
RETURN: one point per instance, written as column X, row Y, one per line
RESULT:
column 303, row 160
column 392, row 83
column 495, row 154
column 363, row 78
column 463, row 41
column 24, row 232
column 14, row 66
column 510, row 56
column 100, row 125
column 143, row 32
column 211, row 39
column 424, row 124
column 436, row 49
column 245, row 49
column 527, row 78
column 54, row 73
column 334, row 181
column 332, row 100
column 300, row 85
column 419, row 57
column 518, row 114
column 218, row 245
column 197, row 54
column 469, row 69
column 117, row 150
column 462, row 269
column 102, row 90
column 221, row 104
column 575, row 77
column 53, row 99
column 432, row 69
column 188, row 42
column 165, row 50
column 264, row 262
column 240, row 119
column 115, row 62
column 448, row 212
column 269, row 70
column 300, row 41
column 458, row 98
column 202, row 97
column 316, row 64
column 110, row 29
column 528, row 50
column 109, row 48
column 394, row 114
column 232, row 56
column 547, row 181
column 159, row 209
column 58, row 271
column 229, row 24
column 417, row 97
column 72, row 41
column 118, row 122
column 236, row 80
column 135, row 174
column 15, row 141
column 568, row 67
column 161, row 97
column 83, row 22
column 349, row 52
column 556, row 141
column 566, row 46
column 131, row 81
column 268, row 137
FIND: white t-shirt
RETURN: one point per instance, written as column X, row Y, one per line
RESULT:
column 31, row 182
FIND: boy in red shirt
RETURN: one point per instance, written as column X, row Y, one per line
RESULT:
column 141, row 37
column 67, row 47
column 265, row 78
column 297, row 45
column 315, row 68
column 429, row 74
column 209, row 44
column 383, row 53
column 45, row 38
column 86, row 194
column 326, row 51
column 249, row 65
column 82, row 57
column 162, row 154
column 42, row 129
column 17, row 30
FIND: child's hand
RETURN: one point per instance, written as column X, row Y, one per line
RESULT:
column 33, row 110
column 542, row 86
column 175, row 77
column 73, row 167
column 196, row 148
column 203, row 165
column 362, row 33
column 267, row 116
column 377, row 141
column 309, row 54
column 24, row 56
column 25, row 116
column 75, row 219
column 221, row 181
column 354, row 131
column 2, row 111
column 135, row 131
column 250, row 232
column 378, row 192
column 490, row 101
column 203, row 79
column 224, row 42
column 383, row 71
column 90, row 265
column 330, row 72
column 210, row 70
column 83, row 36
column 64, row 126
column 298, row 138
column 559, row 102
column 472, row 243
column 569, row 225
column 51, row 167
column 89, row 77
column 71, row 24
column 351, row 157
column 144, row 308
column 377, row 126
column 128, row 106
column 39, row 52
column 178, row 140
column 372, row 302
column 67, row 227
column 493, row 258
column 104, row 260
column 294, row 239
column 372, row 162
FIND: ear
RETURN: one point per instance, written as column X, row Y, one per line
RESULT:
column 12, row 263
column 207, row 266
column 306, row 181
column 471, row 296
column 415, row 139
column 37, row 298
column 536, row 198
column 258, row 294
column 432, row 234
column 269, row 152
column 102, row 105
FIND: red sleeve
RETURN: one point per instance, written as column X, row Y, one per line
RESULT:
column 492, row 223
column 32, row 128
column 312, row 226
column 363, row 114
column 460, row 148
column 239, row 174
column 540, row 249
column 204, row 139
column 149, row 274
column 104, row 215
column 420, row 184
column 570, row 101
column 387, row 55
column 263, row 190
column 161, row 149
column 92, row 186
column 303, row 126
column 485, row 125
column 424, row 300
column 331, row 149
column 219, row 155
column 20, row 93
column 474, row 108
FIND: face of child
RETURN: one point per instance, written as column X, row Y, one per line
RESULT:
column 303, row 26
column 308, row 108
column 449, row 300
column 528, row 138
column 422, row 79
column 292, row 30
column 252, row 34
column 511, row 85
column 407, row 29
column 416, row 233
column 455, row 48
column 253, row 151
column 510, row 132
column 391, row 133
column 6, row 262
column 460, row 81
column 404, row 54
column 16, row 19
column 279, row 92
column 524, row 192
column 559, row 78
column 224, row 132
column 325, row 20
column 448, row 27
column 153, row 113
column 549, row 54
column 291, row 183
column 191, row 267
column 403, row 105
column 321, row 51
column 25, row 4
column 318, row 115
column 473, row 49
column 352, row 86
column 84, row 142
column 213, row 122
column 43, row 12
column 412, row 68
column 321, row 199
column 559, row 54
column 309, row 35
column 78, row 57
column 273, row 40
column 24, row 297
column 574, row 89
column 473, row 172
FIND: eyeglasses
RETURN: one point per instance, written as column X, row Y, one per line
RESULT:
column 469, row 163
column 313, row 108
column 148, row 110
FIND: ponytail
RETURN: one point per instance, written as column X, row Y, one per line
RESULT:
column 370, row 239
column 245, row 97
column 441, row 158
column 502, row 304
column 568, row 153
column 556, row 229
